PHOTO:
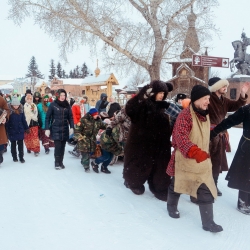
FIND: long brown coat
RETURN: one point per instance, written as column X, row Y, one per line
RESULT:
column 3, row 136
column 218, row 109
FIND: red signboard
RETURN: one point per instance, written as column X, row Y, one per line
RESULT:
column 210, row 61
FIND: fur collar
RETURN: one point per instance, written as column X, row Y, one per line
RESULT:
column 63, row 104
column 12, row 110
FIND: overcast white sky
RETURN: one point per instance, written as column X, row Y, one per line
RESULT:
column 19, row 44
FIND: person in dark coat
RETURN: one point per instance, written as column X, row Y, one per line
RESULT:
column 57, row 121
column 112, row 107
column 16, row 127
column 218, row 108
column 238, row 175
column 28, row 91
column 148, row 148
column 102, row 103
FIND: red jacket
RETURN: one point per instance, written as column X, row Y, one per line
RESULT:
column 76, row 113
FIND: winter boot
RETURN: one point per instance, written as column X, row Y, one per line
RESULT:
column 105, row 170
column 20, row 153
column 172, row 203
column 87, row 170
column 36, row 153
column 138, row 191
column 57, row 163
column 208, row 224
column 243, row 202
column 193, row 200
column 47, row 151
column 15, row 159
column 1, row 156
column 61, row 162
column 28, row 151
column 219, row 193
column 114, row 160
column 74, row 153
column 95, row 167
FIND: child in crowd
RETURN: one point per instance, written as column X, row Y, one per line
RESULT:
column 16, row 127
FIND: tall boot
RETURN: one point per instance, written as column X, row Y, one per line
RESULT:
column 61, row 162
column 57, row 162
column 243, row 202
column 20, row 151
column 219, row 193
column 172, row 203
column 207, row 218
column 1, row 156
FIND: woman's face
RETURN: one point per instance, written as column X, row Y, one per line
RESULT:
column 29, row 100
column 15, row 106
column 46, row 101
column 159, row 96
column 62, row 97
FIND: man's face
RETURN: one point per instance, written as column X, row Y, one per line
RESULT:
column 202, row 103
column 222, row 90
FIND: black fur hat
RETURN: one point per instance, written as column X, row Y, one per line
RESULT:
column 59, row 91
column 158, row 86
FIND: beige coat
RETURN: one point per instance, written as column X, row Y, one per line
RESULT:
column 189, row 174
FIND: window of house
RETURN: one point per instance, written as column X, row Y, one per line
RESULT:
column 233, row 94
column 83, row 92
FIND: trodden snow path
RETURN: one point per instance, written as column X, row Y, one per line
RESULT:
column 47, row 209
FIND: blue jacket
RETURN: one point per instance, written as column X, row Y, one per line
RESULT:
column 58, row 119
column 41, row 114
column 16, row 125
column 98, row 104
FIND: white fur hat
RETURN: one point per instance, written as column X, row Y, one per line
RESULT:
column 216, row 83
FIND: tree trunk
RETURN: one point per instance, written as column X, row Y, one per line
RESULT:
column 154, row 71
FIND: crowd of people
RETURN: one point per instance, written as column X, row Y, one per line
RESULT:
column 142, row 133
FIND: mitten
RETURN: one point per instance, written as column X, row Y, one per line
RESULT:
column 27, row 131
column 108, row 131
column 197, row 154
column 212, row 134
column 47, row 133
column 162, row 104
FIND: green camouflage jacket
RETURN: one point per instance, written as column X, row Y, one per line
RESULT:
column 111, row 143
column 86, row 131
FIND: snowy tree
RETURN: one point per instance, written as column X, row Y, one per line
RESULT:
column 52, row 69
column 59, row 70
column 128, row 33
column 64, row 74
column 84, row 70
column 71, row 74
column 77, row 72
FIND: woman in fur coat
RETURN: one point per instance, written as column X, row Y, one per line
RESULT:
column 31, row 140
column 148, row 147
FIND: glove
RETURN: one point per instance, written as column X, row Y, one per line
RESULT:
column 27, row 131
column 197, row 154
column 162, row 104
column 47, row 133
column 148, row 93
column 108, row 131
column 71, row 131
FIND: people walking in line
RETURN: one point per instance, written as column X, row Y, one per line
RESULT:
column 59, row 122
column 218, row 108
column 31, row 139
column 239, row 171
column 17, row 127
column 148, row 147
column 42, row 108
column 190, row 165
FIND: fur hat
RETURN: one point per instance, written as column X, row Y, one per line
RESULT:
column 170, row 86
column 37, row 94
column 28, row 91
column 215, row 83
column 199, row 91
column 158, row 86
column 15, row 101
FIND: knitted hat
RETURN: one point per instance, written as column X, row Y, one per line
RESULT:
column 93, row 112
column 180, row 97
column 15, row 101
column 215, row 83
column 46, row 97
column 199, row 91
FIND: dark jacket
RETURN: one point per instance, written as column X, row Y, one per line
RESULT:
column 115, row 106
column 218, row 109
column 16, row 125
column 238, row 175
column 58, row 119
column 102, row 104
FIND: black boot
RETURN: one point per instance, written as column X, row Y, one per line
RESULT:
column 172, row 204
column 1, row 156
column 194, row 200
column 243, row 203
column 20, row 151
column 57, row 163
column 95, row 167
column 219, row 193
column 61, row 162
column 105, row 170
column 207, row 219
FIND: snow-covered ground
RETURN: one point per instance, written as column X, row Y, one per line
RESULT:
column 45, row 209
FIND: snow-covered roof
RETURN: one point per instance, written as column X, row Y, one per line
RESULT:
column 6, row 86
column 180, row 60
column 143, row 84
column 72, row 81
column 99, row 80
column 7, row 77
